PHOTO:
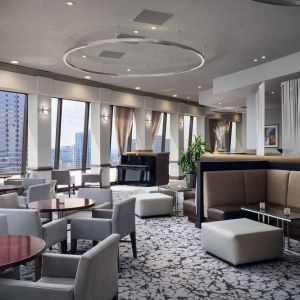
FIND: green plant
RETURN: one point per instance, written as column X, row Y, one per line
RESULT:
column 188, row 159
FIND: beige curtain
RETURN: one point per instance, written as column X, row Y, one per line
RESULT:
column 123, row 123
column 156, row 120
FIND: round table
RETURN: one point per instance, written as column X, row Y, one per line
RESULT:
column 18, row 249
column 61, row 205
column 5, row 188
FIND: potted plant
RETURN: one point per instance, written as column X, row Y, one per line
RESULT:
column 188, row 160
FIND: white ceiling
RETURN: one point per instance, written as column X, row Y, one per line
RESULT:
column 234, row 32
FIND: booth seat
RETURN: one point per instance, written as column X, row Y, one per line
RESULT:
column 225, row 192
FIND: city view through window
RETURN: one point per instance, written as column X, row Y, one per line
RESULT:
column 11, row 131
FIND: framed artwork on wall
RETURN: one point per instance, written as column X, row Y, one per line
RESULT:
column 271, row 136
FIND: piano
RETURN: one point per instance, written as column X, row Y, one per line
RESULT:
column 144, row 168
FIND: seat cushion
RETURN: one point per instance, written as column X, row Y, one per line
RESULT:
column 277, row 186
column 189, row 205
column 255, row 185
column 58, row 280
column 293, row 190
column 81, row 214
column 224, row 212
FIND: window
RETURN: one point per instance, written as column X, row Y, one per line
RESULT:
column 186, row 131
column 167, row 140
column 53, row 127
column 156, row 146
column 133, row 134
column 114, row 145
column 13, row 115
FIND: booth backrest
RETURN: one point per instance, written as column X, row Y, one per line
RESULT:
column 255, row 182
column 293, row 194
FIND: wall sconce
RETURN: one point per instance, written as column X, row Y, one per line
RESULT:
column 148, row 121
column 105, row 117
column 180, row 123
column 44, row 111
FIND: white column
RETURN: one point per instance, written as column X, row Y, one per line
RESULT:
column 176, row 143
column 251, row 123
column 143, row 118
column 39, row 135
column 260, row 120
column 200, row 123
column 100, row 134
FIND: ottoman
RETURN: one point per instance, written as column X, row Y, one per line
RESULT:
column 241, row 241
column 153, row 204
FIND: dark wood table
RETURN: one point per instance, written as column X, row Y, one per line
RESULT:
column 18, row 249
column 6, row 188
column 61, row 205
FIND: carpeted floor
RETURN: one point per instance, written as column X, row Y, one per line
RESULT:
column 172, row 265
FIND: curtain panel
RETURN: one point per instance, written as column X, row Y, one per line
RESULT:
column 156, row 120
column 290, row 103
column 123, row 123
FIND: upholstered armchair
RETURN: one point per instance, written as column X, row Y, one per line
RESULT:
column 63, row 177
column 120, row 220
column 94, row 177
column 28, row 222
column 92, row 276
column 102, row 197
column 9, row 200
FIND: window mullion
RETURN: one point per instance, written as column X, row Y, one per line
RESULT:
column 58, row 133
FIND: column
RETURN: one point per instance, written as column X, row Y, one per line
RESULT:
column 176, row 144
column 200, row 123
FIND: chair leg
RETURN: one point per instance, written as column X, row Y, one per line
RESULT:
column 63, row 246
column 73, row 246
column 95, row 243
column 69, row 188
column 133, row 243
column 38, row 267
column 73, row 189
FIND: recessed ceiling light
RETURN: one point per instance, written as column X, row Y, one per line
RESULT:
column 70, row 3
column 175, row 95
column 128, row 70
column 136, row 31
column 83, row 56
column 153, row 27
column 199, row 87
column 220, row 103
column 137, row 87
column 255, row 60
column 263, row 57
column 272, row 93
column 15, row 62
column 87, row 77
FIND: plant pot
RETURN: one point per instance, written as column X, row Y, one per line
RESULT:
column 190, row 180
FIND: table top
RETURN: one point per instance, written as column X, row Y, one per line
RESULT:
column 175, row 188
column 9, row 187
column 18, row 249
column 61, row 204
column 272, row 211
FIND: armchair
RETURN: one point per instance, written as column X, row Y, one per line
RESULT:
column 91, row 276
column 9, row 200
column 63, row 177
column 94, row 177
column 120, row 220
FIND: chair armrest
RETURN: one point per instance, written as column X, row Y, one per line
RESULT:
column 55, row 232
column 20, row 290
column 22, row 201
column 106, row 206
column 60, row 265
column 91, row 229
column 102, row 213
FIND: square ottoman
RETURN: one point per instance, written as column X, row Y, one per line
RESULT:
column 241, row 241
column 153, row 204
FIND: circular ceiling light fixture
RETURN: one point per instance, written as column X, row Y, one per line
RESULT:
column 198, row 54
column 280, row 2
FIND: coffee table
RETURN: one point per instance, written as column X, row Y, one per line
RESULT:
column 275, row 212
column 175, row 190
column 61, row 205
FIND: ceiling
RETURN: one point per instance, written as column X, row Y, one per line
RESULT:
column 231, row 32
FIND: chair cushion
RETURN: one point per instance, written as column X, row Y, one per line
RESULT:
column 293, row 189
column 225, row 212
column 82, row 214
column 255, row 185
column 58, row 280
column 277, row 186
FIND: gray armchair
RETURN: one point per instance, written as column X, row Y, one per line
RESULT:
column 28, row 222
column 9, row 200
column 120, row 220
column 102, row 197
column 94, row 177
column 92, row 276
column 63, row 177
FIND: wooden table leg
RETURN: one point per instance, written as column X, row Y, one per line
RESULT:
column 38, row 267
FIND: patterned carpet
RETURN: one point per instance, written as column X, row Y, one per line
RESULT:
column 172, row 265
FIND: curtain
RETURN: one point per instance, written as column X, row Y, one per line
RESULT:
column 123, row 123
column 156, row 120
column 260, row 119
column 290, row 103
column 220, row 135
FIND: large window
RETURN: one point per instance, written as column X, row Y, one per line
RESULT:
column 167, row 139
column 13, row 129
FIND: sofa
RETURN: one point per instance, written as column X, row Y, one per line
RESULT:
column 225, row 192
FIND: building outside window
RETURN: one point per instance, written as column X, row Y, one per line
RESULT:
column 12, row 106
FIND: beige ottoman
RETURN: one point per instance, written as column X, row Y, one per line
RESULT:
column 241, row 241
column 153, row 204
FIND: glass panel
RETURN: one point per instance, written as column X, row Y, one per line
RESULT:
column 53, row 128
column 11, row 131
column 233, row 137
column 186, row 130
column 88, row 158
column 156, row 146
column 167, row 148
column 71, row 140
column 114, row 145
